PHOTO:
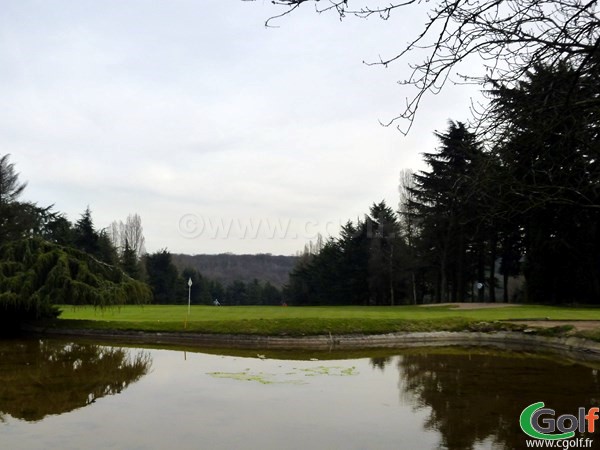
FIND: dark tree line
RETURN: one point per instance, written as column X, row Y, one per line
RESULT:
column 46, row 260
column 83, row 235
column 22, row 220
column 170, row 286
column 518, row 193
column 548, row 170
column 367, row 265
column 526, row 202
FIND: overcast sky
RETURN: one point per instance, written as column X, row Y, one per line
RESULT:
column 223, row 135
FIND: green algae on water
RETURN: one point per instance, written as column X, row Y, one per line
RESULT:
column 288, row 377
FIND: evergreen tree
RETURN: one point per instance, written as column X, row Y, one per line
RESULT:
column 35, row 274
column 129, row 262
column 10, row 187
column 206, row 297
column 85, row 235
column 236, row 293
column 445, row 205
column 163, row 278
column 17, row 219
column 59, row 230
column 549, row 148
column 385, row 250
column 96, row 243
column 200, row 293
column 354, row 244
column 217, row 291
column 106, row 251
column 254, row 293
column 364, row 266
column 271, row 295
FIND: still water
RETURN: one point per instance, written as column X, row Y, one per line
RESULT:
column 74, row 395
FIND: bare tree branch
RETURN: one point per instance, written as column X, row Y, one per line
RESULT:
column 508, row 36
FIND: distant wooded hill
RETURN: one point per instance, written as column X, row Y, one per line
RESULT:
column 228, row 267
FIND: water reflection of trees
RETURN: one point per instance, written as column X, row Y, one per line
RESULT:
column 40, row 377
column 479, row 396
column 381, row 362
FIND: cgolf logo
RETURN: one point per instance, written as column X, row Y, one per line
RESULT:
column 540, row 423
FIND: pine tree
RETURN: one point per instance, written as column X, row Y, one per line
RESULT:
column 549, row 148
column 385, row 250
column 10, row 187
column 86, row 237
column 17, row 219
column 254, row 293
column 129, row 262
column 59, row 230
column 106, row 251
column 445, row 206
column 163, row 278
column 364, row 266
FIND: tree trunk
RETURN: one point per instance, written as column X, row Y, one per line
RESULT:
column 442, row 290
column 492, row 278
column 391, row 269
column 460, row 270
column 414, row 287
column 480, row 272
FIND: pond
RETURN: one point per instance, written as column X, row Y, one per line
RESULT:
column 57, row 394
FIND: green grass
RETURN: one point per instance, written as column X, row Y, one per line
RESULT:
column 300, row 321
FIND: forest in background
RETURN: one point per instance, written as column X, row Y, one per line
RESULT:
column 523, row 204
column 516, row 192
column 227, row 267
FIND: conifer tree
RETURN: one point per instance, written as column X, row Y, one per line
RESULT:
column 86, row 237
column 10, row 187
column 163, row 277
column 17, row 219
column 129, row 262
column 445, row 204
column 549, row 147
column 36, row 274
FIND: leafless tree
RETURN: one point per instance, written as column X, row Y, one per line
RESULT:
column 405, row 189
column 131, row 232
column 508, row 36
column 114, row 232
column 134, row 233
column 407, row 220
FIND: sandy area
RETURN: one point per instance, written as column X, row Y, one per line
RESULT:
column 472, row 305
column 579, row 325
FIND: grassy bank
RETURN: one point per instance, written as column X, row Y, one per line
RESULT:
column 298, row 321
